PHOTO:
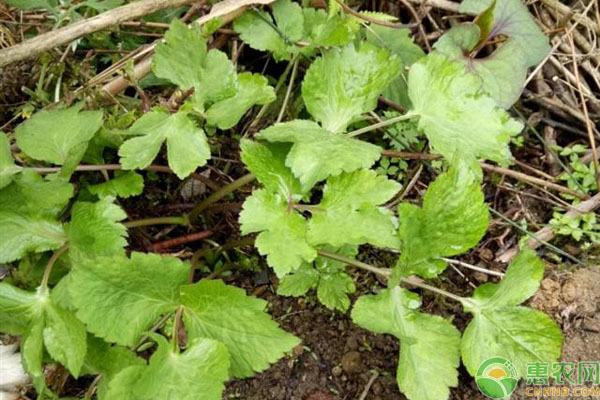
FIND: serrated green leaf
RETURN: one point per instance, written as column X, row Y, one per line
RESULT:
column 123, row 185
column 267, row 163
column 7, row 164
column 184, row 60
column 342, row 84
column 17, row 308
column 225, row 313
column 310, row 157
column 299, row 282
column 32, row 353
column 119, row 298
column 197, row 373
column 282, row 236
column 349, row 212
column 187, row 146
column 452, row 220
column 253, row 89
column 511, row 18
column 502, row 328
column 321, row 30
column 456, row 116
column 57, row 135
column 95, row 230
column 429, row 345
column 502, row 73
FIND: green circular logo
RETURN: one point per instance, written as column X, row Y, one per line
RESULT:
column 497, row 378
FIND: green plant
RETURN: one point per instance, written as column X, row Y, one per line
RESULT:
column 584, row 226
column 318, row 201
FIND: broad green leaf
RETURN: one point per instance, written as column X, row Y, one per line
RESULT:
column 454, row 113
column 95, row 230
column 327, row 276
column 282, row 236
column 124, row 185
column 253, row 89
column 187, row 146
column 267, row 163
column 56, row 135
column 197, row 373
column 17, row 308
column 226, row 314
column 106, row 360
column 183, row 60
column 429, row 345
column 511, row 18
column 32, row 352
column 119, row 298
column 500, row 327
column 349, row 212
column 7, row 164
column 310, row 157
column 320, row 30
column 453, row 219
column 502, row 73
column 344, row 83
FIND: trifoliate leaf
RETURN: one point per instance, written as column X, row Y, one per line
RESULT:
column 187, row 146
column 253, row 89
column 277, row 33
column 124, row 185
column 106, row 360
column 310, row 157
column 452, row 220
column 342, row 84
column 225, row 313
column 502, row 73
column 282, row 236
column 184, row 60
column 455, row 115
column 95, row 230
column 267, row 163
column 55, row 135
column 429, row 345
column 7, row 163
column 197, row 373
column 511, row 18
column 119, row 298
column 328, row 276
column 500, row 327
column 349, row 212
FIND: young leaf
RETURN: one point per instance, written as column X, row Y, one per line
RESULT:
column 500, row 327
column 321, row 30
column 123, row 185
column 455, row 115
column 310, row 157
column 429, row 345
column 511, row 18
column 453, row 219
column 502, row 73
column 342, row 84
column 225, row 313
column 187, row 146
column 282, row 236
column 349, row 212
column 95, row 230
column 183, row 60
column 253, row 89
column 7, row 164
column 197, row 373
column 327, row 276
column 119, row 298
column 58, row 135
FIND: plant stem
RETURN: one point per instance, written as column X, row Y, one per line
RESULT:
column 218, row 195
column 288, row 92
column 381, row 124
column 51, row 262
column 472, row 267
column 176, row 326
column 181, row 220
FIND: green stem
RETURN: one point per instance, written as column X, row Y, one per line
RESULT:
column 288, row 92
column 180, row 220
column 218, row 195
column 176, row 325
column 48, row 270
column 381, row 124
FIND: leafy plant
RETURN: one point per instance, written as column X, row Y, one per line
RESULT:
column 318, row 202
